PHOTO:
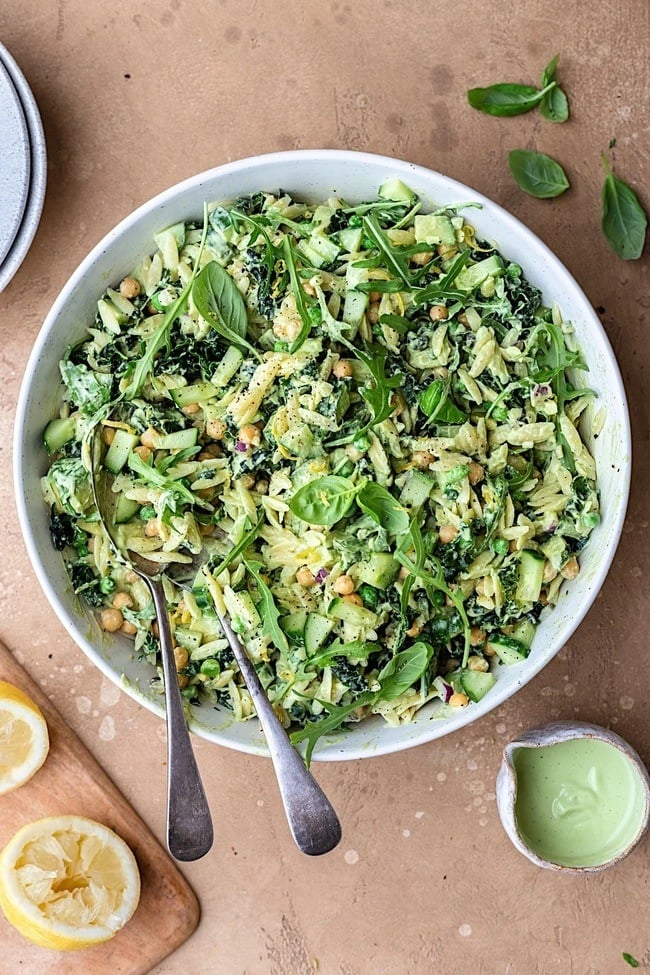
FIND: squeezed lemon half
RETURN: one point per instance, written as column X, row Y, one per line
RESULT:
column 67, row 882
column 24, row 741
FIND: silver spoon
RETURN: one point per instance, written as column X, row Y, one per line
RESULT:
column 312, row 820
column 189, row 824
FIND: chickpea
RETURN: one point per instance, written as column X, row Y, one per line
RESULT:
column 109, row 435
column 476, row 473
column 181, row 657
column 423, row 257
column 151, row 529
column 438, row 313
column 191, row 409
column 458, row 700
column 447, row 533
column 210, row 452
column 446, row 251
column 423, row 459
column 478, row 663
column 111, row 620
column 305, row 577
column 262, row 486
column 372, row 313
column 144, row 453
column 549, row 572
column 476, row 636
column 150, row 438
column 183, row 680
column 462, row 318
column 251, row 434
column 414, row 630
column 129, row 628
column 344, row 585
column 130, row 288
column 247, row 481
column 131, row 576
column 215, row 429
column 342, row 369
column 374, row 297
column 122, row 599
column 570, row 569
column 354, row 599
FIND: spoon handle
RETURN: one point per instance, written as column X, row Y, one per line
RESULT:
column 313, row 822
column 189, row 824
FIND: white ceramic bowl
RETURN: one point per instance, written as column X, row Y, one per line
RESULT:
column 314, row 175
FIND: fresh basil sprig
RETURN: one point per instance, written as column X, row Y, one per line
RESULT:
column 435, row 404
column 507, row 99
column 554, row 105
column 623, row 219
column 219, row 301
column 377, row 502
column 537, row 174
column 325, row 500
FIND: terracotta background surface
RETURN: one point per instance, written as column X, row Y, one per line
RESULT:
column 137, row 96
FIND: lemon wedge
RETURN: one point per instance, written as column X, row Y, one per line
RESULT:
column 24, row 741
column 67, row 882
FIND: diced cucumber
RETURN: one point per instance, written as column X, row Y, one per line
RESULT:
column 380, row 570
column 524, row 632
column 178, row 440
column 311, row 256
column 396, row 191
column 228, row 366
column 322, row 215
column 324, row 246
column 196, row 393
column 531, row 576
column 58, row 432
column 417, row 489
column 356, row 302
column 241, row 609
column 434, row 228
column 125, row 509
column 476, row 683
column 119, row 450
column 317, row 630
column 294, row 625
column 507, row 649
column 350, row 239
column 341, row 609
column 471, row 277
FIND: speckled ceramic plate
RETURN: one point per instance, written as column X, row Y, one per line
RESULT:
column 38, row 171
column 15, row 163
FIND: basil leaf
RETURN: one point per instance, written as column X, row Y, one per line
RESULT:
column 382, row 507
column 554, row 105
column 630, row 959
column 325, row 500
column 623, row 219
column 435, row 404
column 267, row 609
column 507, row 99
column 219, row 301
column 403, row 671
column 537, row 174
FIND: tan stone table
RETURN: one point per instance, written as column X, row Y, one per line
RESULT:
column 135, row 96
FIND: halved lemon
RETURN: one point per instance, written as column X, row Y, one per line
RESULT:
column 24, row 741
column 68, row 882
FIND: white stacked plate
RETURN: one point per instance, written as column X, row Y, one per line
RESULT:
column 23, row 167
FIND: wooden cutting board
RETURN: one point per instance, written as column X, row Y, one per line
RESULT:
column 71, row 781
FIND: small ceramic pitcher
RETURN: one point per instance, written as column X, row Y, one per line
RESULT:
column 552, row 734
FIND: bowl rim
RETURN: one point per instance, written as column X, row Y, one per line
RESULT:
column 400, row 167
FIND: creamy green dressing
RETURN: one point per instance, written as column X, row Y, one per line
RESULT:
column 579, row 803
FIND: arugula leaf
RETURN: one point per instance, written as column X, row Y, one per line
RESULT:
column 219, row 301
column 154, row 344
column 376, row 501
column 398, row 322
column 267, row 609
column 325, row 500
column 623, row 219
column 554, row 105
column 356, row 650
column 537, row 174
column 149, row 473
column 378, row 397
column 314, row 730
column 299, row 295
column 88, row 390
column 507, row 99
column 246, row 539
column 441, row 290
column 394, row 286
column 396, row 263
column 405, row 668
